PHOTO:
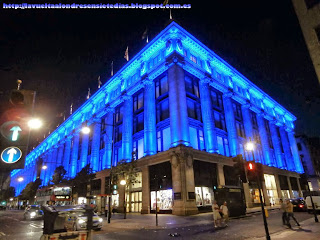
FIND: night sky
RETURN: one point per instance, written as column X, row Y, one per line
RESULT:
column 60, row 53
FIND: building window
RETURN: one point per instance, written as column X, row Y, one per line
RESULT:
column 196, row 138
column 299, row 146
column 192, row 86
column 138, row 119
column 138, row 149
column 103, row 125
column 194, row 109
column 102, row 143
column 161, row 86
column 279, row 137
column 163, row 139
column 266, row 123
column 138, row 101
column 240, row 129
column 118, row 117
column 118, row 133
column 138, row 123
column 216, row 98
column 193, row 58
column 117, row 154
column 223, row 145
column 163, row 110
column 90, row 143
column 219, row 121
column 237, row 111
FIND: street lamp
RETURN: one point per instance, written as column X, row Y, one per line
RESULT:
column 35, row 123
column 123, row 183
column 250, row 146
column 44, row 167
column 85, row 130
column 20, row 179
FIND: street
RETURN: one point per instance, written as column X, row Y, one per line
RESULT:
column 136, row 226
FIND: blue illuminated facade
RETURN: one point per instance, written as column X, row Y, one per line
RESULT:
column 174, row 92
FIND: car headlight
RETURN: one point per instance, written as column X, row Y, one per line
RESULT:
column 33, row 214
column 100, row 219
column 80, row 221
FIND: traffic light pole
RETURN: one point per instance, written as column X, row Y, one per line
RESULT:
column 262, row 203
column 312, row 203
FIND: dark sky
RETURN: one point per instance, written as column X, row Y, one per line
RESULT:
column 60, row 53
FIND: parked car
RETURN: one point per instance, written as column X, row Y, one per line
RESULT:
column 299, row 204
column 316, row 201
column 33, row 212
column 76, row 220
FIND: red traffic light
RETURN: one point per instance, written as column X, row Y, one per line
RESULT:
column 250, row 166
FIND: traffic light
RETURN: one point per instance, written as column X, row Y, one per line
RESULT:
column 16, row 111
column 239, row 168
column 254, row 171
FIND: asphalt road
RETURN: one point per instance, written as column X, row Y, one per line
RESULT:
column 12, row 226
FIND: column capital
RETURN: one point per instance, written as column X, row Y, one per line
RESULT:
column 205, row 80
column 147, row 81
column 228, row 94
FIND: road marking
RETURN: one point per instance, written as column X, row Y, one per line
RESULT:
column 36, row 225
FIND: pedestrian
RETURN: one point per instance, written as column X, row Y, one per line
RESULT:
column 283, row 210
column 289, row 210
column 216, row 214
column 225, row 213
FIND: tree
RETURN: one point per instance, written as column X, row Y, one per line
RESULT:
column 125, row 170
column 29, row 192
column 59, row 175
column 82, row 179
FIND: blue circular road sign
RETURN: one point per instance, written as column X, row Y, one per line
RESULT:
column 11, row 155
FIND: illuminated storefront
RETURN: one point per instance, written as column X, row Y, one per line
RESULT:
column 204, row 196
column 271, row 187
column 164, row 198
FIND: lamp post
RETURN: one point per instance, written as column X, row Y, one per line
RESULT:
column 250, row 146
column 124, row 183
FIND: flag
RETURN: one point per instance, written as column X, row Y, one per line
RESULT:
column 126, row 54
column 71, row 108
column 99, row 82
column 145, row 35
column 111, row 68
column 165, row 2
column 88, row 96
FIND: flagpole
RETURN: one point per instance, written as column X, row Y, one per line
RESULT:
column 111, row 68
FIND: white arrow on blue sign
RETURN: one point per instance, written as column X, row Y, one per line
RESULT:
column 11, row 155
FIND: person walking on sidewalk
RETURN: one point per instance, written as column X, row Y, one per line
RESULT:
column 216, row 214
column 283, row 210
column 225, row 213
column 289, row 210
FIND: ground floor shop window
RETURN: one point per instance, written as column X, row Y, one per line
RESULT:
column 203, row 196
column 136, row 201
column 295, row 193
column 285, row 194
column 271, row 188
column 164, row 199
column 254, row 195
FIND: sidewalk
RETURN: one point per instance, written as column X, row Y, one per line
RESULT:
column 310, row 230
column 258, row 209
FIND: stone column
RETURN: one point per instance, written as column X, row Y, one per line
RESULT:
column 183, row 182
column 221, row 178
column 49, row 170
column 74, row 155
column 286, row 149
column 179, row 123
column 247, row 195
column 127, row 128
column 43, row 171
column 290, row 188
column 67, row 153
column 84, row 150
column 230, row 123
column 276, row 178
column 145, row 190
column 299, row 187
column 208, row 117
column 295, row 153
column 150, row 135
column 94, row 161
column 264, row 140
column 248, row 127
column 276, row 146
column 108, row 141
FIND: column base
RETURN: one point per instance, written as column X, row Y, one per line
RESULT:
column 184, row 208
